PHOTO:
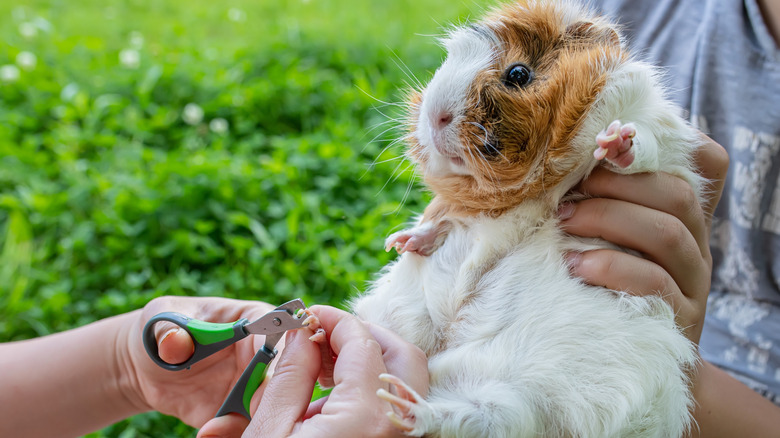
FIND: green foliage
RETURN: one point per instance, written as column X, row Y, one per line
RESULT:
column 200, row 148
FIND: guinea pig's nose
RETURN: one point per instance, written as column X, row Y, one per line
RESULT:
column 443, row 119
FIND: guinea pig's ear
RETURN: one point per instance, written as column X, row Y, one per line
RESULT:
column 586, row 31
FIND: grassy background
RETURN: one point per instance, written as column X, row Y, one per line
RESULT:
column 112, row 194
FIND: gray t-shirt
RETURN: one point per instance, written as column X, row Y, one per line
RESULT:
column 723, row 68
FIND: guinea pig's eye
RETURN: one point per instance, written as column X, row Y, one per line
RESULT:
column 518, row 75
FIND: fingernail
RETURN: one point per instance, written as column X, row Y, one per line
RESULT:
column 573, row 260
column 565, row 210
column 168, row 333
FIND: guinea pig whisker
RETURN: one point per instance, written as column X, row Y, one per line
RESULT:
column 409, row 187
column 385, row 149
column 394, row 176
column 395, row 104
column 390, row 145
column 491, row 148
column 408, row 191
column 418, row 85
column 388, row 117
column 373, row 163
column 392, row 127
column 406, row 169
column 495, row 151
column 486, row 164
column 376, row 162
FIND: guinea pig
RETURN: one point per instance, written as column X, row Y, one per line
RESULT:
column 527, row 103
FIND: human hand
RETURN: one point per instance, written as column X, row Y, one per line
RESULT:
column 362, row 352
column 658, row 216
column 192, row 395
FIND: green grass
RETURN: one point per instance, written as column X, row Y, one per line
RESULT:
column 109, row 198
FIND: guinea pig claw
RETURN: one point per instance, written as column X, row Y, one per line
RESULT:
column 613, row 127
column 628, row 131
column 407, row 403
column 312, row 322
column 319, row 336
column 615, row 144
column 398, row 241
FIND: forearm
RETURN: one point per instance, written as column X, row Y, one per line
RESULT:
column 65, row 384
column 727, row 408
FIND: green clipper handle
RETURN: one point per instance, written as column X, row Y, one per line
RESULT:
column 208, row 337
column 241, row 394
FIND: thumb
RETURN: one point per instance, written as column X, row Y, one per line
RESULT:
column 287, row 396
column 175, row 345
column 226, row 426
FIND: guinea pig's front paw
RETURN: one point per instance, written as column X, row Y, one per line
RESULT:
column 615, row 144
column 312, row 323
column 423, row 240
column 416, row 414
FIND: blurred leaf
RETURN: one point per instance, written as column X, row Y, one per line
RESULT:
column 15, row 260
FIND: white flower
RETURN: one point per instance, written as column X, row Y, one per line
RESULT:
column 26, row 60
column 237, row 15
column 9, row 73
column 130, row 58
column 219, row 125
column 69, row 92
column 192, row 114
column 28, row 30
column 42, row 24
column 136, row 40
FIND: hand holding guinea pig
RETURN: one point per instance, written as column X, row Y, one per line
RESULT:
column 656, row 215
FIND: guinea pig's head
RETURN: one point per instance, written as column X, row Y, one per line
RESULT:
column 496, row 124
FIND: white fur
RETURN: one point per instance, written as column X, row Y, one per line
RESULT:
column 469, row 54
column 530, row 351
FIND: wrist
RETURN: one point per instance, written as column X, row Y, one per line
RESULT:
column 125, row 382
column 75, row 376
column 727, row 408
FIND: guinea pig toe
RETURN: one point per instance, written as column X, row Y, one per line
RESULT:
column 614, row 127
column 600, row 153
column 414, row 244
column 312, row 322
column 409, row 409
column 604, row 138
column 615, row 143
column 319, row 336
column 628, row 131
column 623, row 159
column 397, row 240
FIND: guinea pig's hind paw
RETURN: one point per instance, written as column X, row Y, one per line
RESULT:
column 615, row 144
column 407, row 403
